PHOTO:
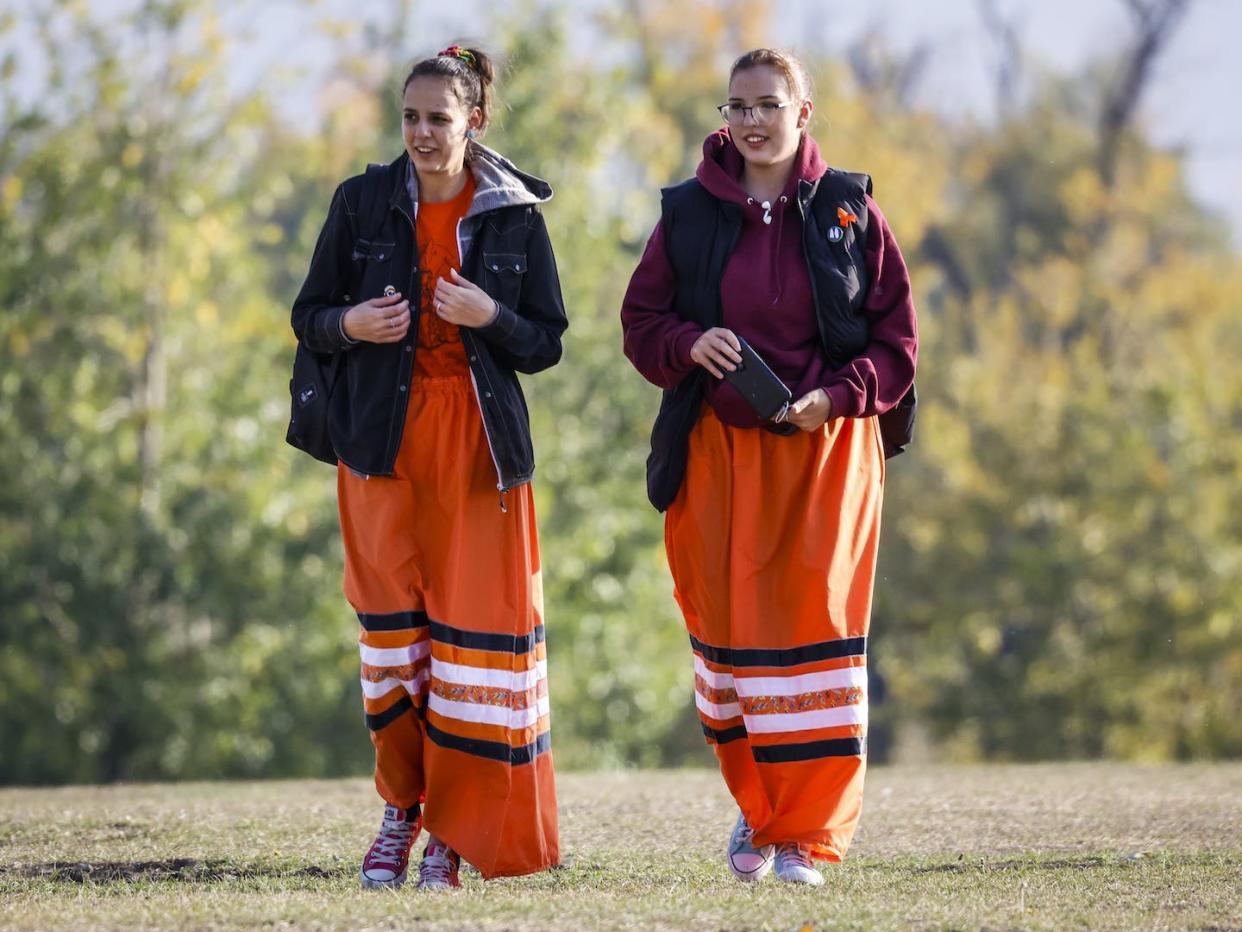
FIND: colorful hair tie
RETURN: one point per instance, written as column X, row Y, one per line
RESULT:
column 456, row 51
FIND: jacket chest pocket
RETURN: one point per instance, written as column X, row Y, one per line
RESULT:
column 372, row 271
column 504, row 272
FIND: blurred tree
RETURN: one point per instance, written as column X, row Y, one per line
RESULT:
column 154, row 546
column 1061, row 549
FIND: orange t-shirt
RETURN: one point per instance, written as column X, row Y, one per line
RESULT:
column 440, row 350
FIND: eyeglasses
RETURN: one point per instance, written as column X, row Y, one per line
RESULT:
column 762, row 113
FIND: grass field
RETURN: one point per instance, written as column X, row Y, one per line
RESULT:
column 1050, row 847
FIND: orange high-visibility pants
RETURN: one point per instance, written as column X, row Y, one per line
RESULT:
column 447, row 589
column 772, row 546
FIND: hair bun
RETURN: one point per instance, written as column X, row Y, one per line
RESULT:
column 471, row 71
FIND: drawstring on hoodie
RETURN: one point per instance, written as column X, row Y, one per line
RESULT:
column 767, row 210
column 767, row 218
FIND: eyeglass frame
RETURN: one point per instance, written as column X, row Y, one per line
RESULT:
column 726, row 105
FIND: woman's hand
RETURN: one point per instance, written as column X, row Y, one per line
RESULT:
column 380, row 320
column 811, row 411
column 464, row 303
column 717, row 349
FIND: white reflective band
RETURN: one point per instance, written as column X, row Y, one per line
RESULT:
column 383, row 687
column 481, row 676
column 713, row 678
column 843, row 678
column 488, row 714
column 719, row 712
column 394, row 656
column 807, row 721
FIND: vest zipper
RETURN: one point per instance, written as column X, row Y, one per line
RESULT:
column 806, row 257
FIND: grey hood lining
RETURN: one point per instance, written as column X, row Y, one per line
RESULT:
column 498, row 182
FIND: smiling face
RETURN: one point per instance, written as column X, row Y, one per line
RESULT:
column 434, row 122
column 777, row 140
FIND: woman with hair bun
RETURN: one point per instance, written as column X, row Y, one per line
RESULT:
column 432, row 285
column 773, row 512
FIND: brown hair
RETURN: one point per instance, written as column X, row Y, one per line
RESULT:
column 788, row 64
column 469, row 71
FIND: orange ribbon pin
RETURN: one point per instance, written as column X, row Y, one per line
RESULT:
column 845, row 216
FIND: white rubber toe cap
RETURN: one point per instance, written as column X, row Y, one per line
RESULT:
column 751, row 865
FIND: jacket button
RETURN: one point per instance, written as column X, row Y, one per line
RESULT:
column 348, row 298
column 487, row 394
column 403, row 388
column 474, row 358
column 495, row 268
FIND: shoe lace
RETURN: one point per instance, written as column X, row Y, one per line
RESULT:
column 437, row 865
column 393, row 839
column 743, row 834
column 792, row 855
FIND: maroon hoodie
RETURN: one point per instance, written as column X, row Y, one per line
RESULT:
column 766, row 297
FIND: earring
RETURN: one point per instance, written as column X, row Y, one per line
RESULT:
column 471, row 134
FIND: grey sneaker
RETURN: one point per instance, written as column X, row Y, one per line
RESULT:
column 745, row 860
column 793, row 865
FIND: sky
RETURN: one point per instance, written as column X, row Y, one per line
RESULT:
column 1187, row 105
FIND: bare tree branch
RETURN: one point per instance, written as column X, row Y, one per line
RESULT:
column 879, row 72
column 1005, row 32
column 1155, row 22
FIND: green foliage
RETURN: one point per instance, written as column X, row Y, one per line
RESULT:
column 166, row 580
column 1059, row 575
column 1062, row 550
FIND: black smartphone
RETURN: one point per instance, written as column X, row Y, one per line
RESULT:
column 759, row 385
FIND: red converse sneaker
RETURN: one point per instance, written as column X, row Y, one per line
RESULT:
column 386, row 862
column 438, row 871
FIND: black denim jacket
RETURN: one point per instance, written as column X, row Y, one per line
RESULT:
column 506, row 252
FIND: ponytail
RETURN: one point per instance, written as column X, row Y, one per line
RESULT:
column 470, row 72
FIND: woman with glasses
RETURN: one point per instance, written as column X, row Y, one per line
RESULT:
column 432, row 285
column 771, row 529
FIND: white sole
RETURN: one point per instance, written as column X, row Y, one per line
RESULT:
column 369, row 884
column 752, row 876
